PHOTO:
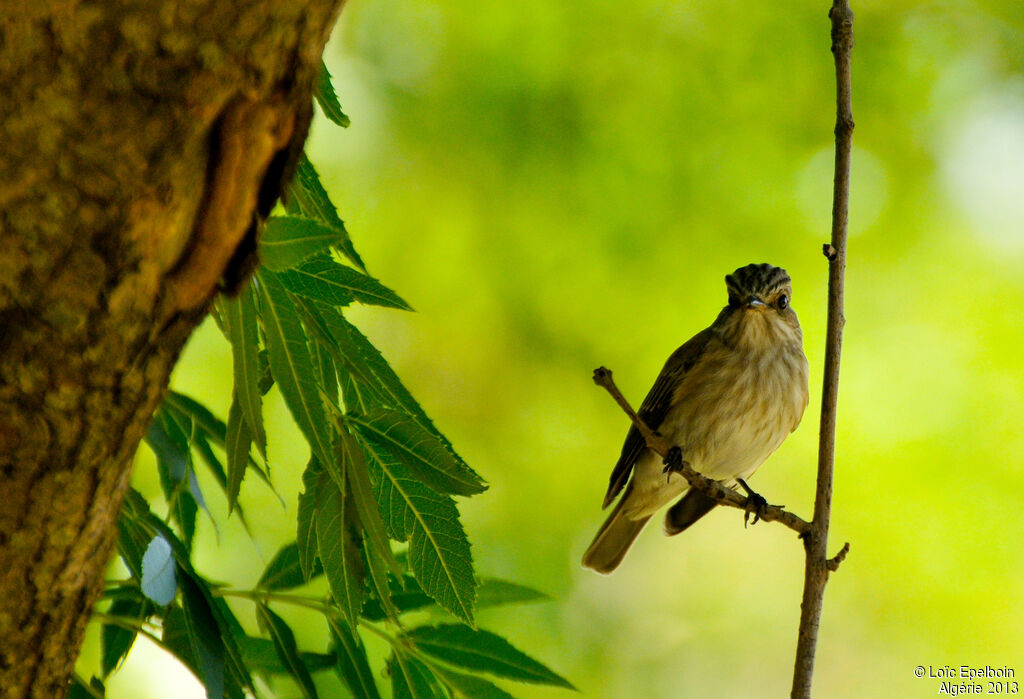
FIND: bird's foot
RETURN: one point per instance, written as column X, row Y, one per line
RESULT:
column 756, row 505
column 673, row 462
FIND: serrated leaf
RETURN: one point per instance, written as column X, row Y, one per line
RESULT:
column 491, row 592
column 368, row 380
column 418, row 450
column 321, row 278
column 337, row 533
column 158, row 579
column 288, row 240
column 236, row 447
column 306, row 519
column 439, row 554
column 352, row 664
column 367, row 507
column 328, row 99
column 481, row 651
column 469, row 686
column 411, row 679
column 381, row 601
column 306, row 196
column 287, row 650
column 239, row 316
column 292, row 364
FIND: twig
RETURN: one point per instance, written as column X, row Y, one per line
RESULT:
column 818, row 565
column 707, row 486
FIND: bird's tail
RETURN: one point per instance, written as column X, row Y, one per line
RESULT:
column 613, row 540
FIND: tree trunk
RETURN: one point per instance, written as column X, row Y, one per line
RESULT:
column 139, row 141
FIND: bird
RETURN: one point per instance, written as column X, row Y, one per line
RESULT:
column 725, row 401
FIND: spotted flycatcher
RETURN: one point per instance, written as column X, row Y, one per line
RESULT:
column 727, row 399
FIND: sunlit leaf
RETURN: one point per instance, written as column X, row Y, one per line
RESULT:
column 287, row 650
column 237, row 449
column 288, row 240
column 481, row 651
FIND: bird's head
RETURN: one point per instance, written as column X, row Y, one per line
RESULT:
column 759, row 311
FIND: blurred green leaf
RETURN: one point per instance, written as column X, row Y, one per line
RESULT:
column 418, row 450
column 306, row 519
column 260, row 654
column 204, row 637
column 493, row 592
column 284, row 571
column 292, row 364
column 158, row 579
column 321, row 278
column 80, row 689
column 328, row 99
column 287, row 651
column 482, row 651
column 237, row 446
column 411, row 679
column 469, row 686
column 353, row 667
column 116, row 641
column 240, row 321
column 338, row 541
column 306, row 196
column 288, row 240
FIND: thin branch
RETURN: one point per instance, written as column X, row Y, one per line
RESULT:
column 707, row 486
column 818, row 565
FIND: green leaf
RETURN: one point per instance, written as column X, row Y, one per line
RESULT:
column 361, row 367
column 80, row 689
column 287, row 650
column 204, row 637
column 338, row 541
column 288, row 240
column 239, row 438
column 260, row 654
column 328, row 99
column 284, row 572
column 292, row 364
column 418, row 450
column 239, row 316
column 481, row 651
column 321, row 278
column 469, row 686
column 439, row 554
column 306, row 196
column 367, row 507
column 306, row 519
column 493, row 592
column 116, row 641
column 158, row 579
column 411, row 679
column 381, row 601
column 353, row 667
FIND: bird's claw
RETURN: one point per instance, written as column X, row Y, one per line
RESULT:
column 756, row 505
column 673, row 461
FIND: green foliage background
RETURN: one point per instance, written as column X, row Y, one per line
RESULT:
column 555, row 186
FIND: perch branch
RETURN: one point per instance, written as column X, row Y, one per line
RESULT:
column 707, row 486
column 818, row 565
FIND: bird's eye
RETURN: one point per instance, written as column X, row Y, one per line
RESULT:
column 783, row 302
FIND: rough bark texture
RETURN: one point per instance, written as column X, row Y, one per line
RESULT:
column 136, row 139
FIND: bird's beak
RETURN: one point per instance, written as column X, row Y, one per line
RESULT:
column 754, row 302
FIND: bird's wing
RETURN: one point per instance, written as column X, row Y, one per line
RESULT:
column 655, row 407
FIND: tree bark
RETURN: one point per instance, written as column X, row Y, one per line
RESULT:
column 139, row 141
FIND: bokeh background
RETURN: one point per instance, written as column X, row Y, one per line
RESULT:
column 555, row 186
